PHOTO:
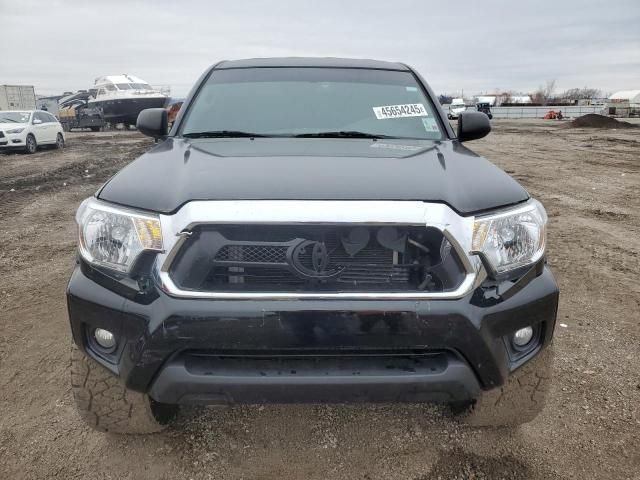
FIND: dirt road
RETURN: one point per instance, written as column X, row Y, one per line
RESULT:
column 589, row 181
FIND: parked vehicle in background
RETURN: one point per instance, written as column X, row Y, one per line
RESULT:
column 27, row 130
column 17, row 97
column 76, row 113
column 173, row 108
column 485, row 108
column 553, row 115
column 456, row 108
column 310, row 230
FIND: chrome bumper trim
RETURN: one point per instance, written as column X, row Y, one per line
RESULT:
column 458, row 230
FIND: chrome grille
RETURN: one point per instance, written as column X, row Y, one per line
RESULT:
column 315, row 258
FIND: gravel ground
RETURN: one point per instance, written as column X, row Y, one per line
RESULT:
column 589, row 181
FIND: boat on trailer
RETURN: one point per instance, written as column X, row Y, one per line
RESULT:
column 121, row 98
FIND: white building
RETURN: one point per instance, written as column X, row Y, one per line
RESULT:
column 50, row 104
column 490, row 99
column 631, row 96
column 520, row 99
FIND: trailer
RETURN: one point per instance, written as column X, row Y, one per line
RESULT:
column 17, row 97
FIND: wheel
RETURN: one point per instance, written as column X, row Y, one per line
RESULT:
column 490, row 117
column 59, row 141
column 95, row 129
column 518, row 401
column 31, row 145
column 107, row 405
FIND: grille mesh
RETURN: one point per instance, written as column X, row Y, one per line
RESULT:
column 252, row 254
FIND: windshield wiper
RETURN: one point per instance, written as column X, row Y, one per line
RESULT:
column 8, row 120
column 222, row 134
column 341, row 134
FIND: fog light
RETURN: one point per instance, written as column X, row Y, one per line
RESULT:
column 522, row 336
column 104, row 338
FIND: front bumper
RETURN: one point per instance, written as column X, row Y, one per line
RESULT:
column 13, row 140
column 182, row 350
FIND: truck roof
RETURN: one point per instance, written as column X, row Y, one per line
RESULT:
column 326, row 62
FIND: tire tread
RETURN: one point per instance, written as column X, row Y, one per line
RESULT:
column 519, row 400
column 105, row 403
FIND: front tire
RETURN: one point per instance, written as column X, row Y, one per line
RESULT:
column 59, row 141
column 106, row 405
column 31, row 145
column 519, row 400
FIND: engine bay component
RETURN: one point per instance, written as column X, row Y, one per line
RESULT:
column 392, row 238
column 356, row 240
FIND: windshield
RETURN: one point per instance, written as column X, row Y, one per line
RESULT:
column 306, row 101
column 14, row 117
column 140, row 86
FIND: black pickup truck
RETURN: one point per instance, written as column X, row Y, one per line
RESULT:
column 310, row 230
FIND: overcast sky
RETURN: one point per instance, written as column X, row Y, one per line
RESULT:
column 478, row 46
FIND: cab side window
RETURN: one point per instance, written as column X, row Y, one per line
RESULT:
column 40, row 116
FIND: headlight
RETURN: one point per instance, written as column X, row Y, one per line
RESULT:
column 513, row 238
column 114, row 237
column 15, row 130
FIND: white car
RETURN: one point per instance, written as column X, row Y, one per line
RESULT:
column 29, row 129
column 455, row 110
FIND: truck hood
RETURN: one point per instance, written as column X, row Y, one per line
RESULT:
column 180, row 170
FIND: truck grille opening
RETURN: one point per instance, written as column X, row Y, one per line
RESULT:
column 314, row 258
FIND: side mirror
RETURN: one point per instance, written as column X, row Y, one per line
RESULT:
column 37, row 121
column 153, row 122
column 473, row 125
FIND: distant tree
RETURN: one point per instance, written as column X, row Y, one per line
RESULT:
column 537, row 97
column 581, row 93
column 548, row 90
column 544, row 93
column 591, row 92
column 505, row 97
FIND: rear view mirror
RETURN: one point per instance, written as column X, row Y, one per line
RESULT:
column 473, row 125
column 153, row 122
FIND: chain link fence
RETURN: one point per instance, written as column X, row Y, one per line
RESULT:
column 539, row 112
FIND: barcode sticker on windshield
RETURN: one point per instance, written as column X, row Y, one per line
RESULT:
column 430, row 124
column 400, row 111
